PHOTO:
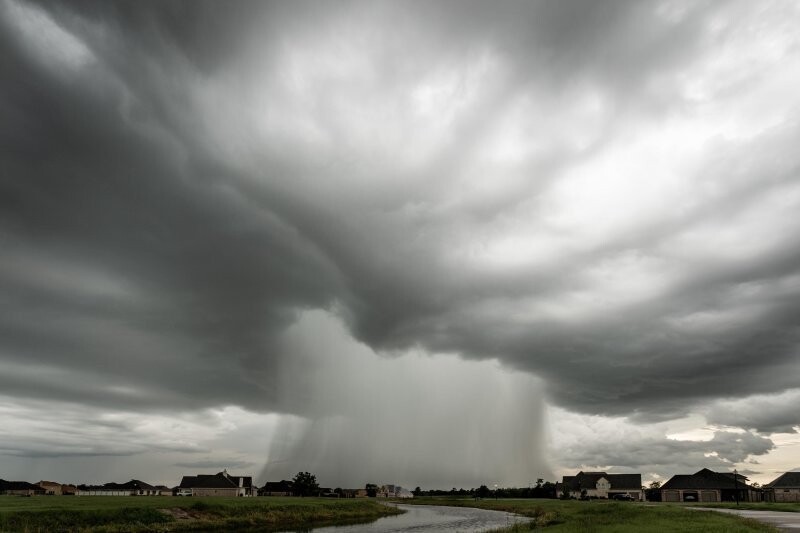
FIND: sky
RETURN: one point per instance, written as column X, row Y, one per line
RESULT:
column 436, row 244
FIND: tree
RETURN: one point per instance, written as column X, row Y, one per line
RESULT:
column 652, row 493
column 417, row 492
column 482, row 492
column 305, row 484
column 372, row 490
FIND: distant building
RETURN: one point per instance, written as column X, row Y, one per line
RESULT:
column 602, row 485
column 709, row 486
column 393, row 491
column 20, row 488
column 163, row 490
column 277, row 488
column 219, row 484
column 785, row 488
column 133, row 487
column 51, row 488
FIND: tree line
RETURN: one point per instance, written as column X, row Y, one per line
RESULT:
column 541, row 489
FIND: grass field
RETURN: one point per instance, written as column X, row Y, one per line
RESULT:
column 109, row 514
column 163, row 514
column 761, row 506
column 608, row 517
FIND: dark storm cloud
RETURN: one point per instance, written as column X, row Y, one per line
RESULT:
column 182, row 179
column 766, row 414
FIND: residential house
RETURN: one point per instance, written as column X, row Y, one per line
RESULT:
column 163, row 490
column 277, row 488
column 602, row 485
column 219, row 484
column 709, row 486
column 20, row 488
column 51, row 488
column 784, row 489
column 133, row 487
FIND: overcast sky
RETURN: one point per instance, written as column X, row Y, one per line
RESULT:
column 437, row 244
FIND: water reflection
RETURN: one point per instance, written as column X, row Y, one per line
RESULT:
column 429, row 518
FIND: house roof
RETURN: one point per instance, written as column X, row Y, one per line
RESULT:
column 131, row 485
column 588, row 480
column 278, row 486
column 135, row 484
column 787, row 480
column 18, row 485
column 220, row 480
column 707, row 479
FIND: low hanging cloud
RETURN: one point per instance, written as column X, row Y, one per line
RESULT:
column 775, row 413
column 600, row 195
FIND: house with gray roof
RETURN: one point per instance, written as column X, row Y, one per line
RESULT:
column 785, row 488
column 602, row 485
column 20, row 488
column 133, row 487
column 219, row 484
column 709, row 486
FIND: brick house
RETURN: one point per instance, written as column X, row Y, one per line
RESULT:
column 709, row 486
column 785, row 488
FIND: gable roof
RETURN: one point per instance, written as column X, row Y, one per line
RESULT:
column 135, row 484
column 132, row 485
column 220, row 480
column 18, row 485
column 278, row 486
column 588, row 480
column 707, row 479
column 787, row 480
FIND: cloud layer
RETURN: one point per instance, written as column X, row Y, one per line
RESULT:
column 603, row 196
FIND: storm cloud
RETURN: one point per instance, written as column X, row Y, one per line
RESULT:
column 601, row 197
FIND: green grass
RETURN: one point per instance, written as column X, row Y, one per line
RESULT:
column 608, row 517
column 760, row 506
column 116, row 514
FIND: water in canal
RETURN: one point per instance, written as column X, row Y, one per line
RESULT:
column 418, row 518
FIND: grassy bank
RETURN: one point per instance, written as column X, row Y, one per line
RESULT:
column 110, row 514
column 607, row 517
column 759, row 506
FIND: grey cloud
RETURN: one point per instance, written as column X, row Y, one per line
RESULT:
column 210, row 463
column 668, row 456
column 766, row 414
column 37, row 430
column 152, row 171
